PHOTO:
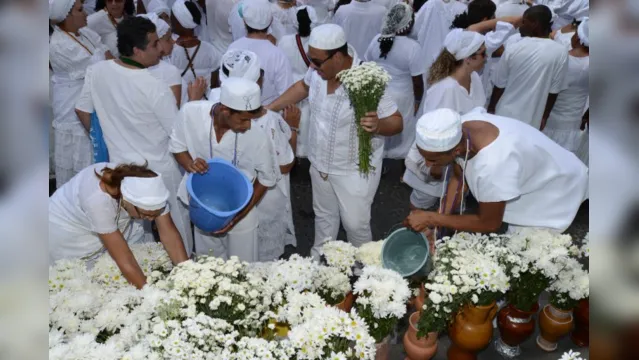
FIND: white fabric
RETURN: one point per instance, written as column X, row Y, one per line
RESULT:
column 448, row 93
column 511, row 8
column 417, row 176
column 238, row 27
column 361, row 21
column 158, row 7
column 183, row 15
column 542, row 184
column 564, row 39
column 312, row 15
column 79, row 211
column 583, row 32
column 277, row 68
column 257, row 14
column 202, row 30
column 89, row 6
column 147, row 193
column 136, row 113
column 439, row 130
column 323, row 8
column 241, row 241
column 205, row 63
column 423, row 200
column 167, row 73
column 565, row 119
column 240, row 63
column 218, row 13
column 496, row 38
column 402, row 63
column 286, row 19
column 60, row 9
column 397, row 20
column 240, row 94
column 71, row 152
column 327, row 37
column 100, row 23
column 161, row 26
column 333, row 141
column 529, row 70
column 388, row 4
column 462, row 43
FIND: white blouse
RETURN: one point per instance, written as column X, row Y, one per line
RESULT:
column 101, row 24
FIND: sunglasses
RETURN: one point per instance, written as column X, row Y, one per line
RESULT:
column 319, row 63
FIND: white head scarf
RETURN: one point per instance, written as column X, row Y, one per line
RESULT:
column 240, row 63
column 146, row 193
column 495, row 39
column 439, row 130
column 397, row 20
column 60, row 9
column 159, row 7
column 183, row 15
column 583, row 32
column 462, row 43
column 161, row 27
column 311, row 15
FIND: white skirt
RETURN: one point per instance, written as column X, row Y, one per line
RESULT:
column 72, row 153
column 567, row 134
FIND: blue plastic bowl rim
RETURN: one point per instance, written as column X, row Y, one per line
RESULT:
column 427, row 250
column 189, row 187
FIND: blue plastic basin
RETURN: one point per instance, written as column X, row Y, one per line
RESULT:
column 406, row 252
column 218, row 195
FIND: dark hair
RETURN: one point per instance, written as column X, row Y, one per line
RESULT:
column 129, row 6
column 252, row 112
column 542, row 15
column 478, row 10
column 114, row 177
column 250, row 30
column 304, row 21
column 417, row 4
column 195, row 12
column 340, row 3
column 385, row 46
column 132, row 33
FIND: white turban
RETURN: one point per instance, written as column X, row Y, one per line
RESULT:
column 311, row 15
column 327, row 37
column 161, row 27
column 462, row 43
column 583, row 32
column 257, row 14
column 495, row 39
column 146, row 193
column 159, row 7
column 240, row 94
column 183, row 15
column 241, row 64
column 60, row 9
column 439, row 130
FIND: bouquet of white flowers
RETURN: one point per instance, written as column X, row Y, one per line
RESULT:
column 370, row 254
column 298, row 307
column 340, row 254
column 381, row 300
column 572, row 285
column 331, row 284
column 296, row 273
column 365, row 85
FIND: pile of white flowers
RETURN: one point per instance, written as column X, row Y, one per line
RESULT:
column 152, row 258
column 571, row 285
column 299, row 307
column 331, row 284
column 571, row 355
column 340, row 254
column 370, row 254
column 296, row 273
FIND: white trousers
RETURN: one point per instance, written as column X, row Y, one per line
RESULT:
column 241, row 241
column 347, row 198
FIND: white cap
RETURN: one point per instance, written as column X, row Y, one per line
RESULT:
column 583, row 32
column 183, row 15
column 439, row 130
column 60, row 9
column 161, row 27
column 257, row 14
column 240, row 94
column 462, row 43
column 146, row 193
column 327, row 37
column 240, row 63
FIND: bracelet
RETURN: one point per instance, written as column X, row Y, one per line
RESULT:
column 295, row 129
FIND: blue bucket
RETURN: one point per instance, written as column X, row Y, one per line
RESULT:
column 406, row 252
column 218, row 195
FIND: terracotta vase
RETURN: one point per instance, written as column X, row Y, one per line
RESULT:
column 471, row 331
column 553, row 325
column 580, row 336
column 515, row 326
column 347, row 303
column 419, row 349
column 383, row 349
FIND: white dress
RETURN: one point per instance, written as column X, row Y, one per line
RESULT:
column 403, row 62
column 361, row 21
column 217, row 15
column 542, row 184
column 69, row 59
column 288, row 44
column 206, row 61
column 565, row 119
column 101, row 24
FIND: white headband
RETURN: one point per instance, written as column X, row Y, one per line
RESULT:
column 146, row 193
column 583, row 32
column 439, row 130
column 60, row 9
column 161, row 27
column 462, row 43
column 183, row 15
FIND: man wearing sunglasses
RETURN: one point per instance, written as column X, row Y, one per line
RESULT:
column 340, row 192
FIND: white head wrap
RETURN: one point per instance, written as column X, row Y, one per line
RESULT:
column 495, row 39
column 583, row 32
column 397, row 20
column 146, row 193
column 327, row 37
column 311, row 15
column 240, row 64
column 462, row 43
column 240, row 94
column 60, row 9
column 159, row 7
column 439, row 130
column 574, row 9
column 257, row 14
column 183, row 15
column 161, row 27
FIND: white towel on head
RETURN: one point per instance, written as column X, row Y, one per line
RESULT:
column 159, row 7
column 183, row 15
column 60, row 9
column 583, row 32
column 161, row 27
column 462, row 43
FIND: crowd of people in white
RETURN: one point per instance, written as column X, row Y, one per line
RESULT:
column 486, row 96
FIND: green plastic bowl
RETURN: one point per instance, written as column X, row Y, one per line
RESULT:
column 406, row 252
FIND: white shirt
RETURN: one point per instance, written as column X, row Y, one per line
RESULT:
column 529, row 70
column 571, row 102
column 136, row 112
column 448, row 93
column 101, row 24
column 542, row 184
column 166, row 72
column 511, row 8
column 286, row 20
column 277, row 69
column 323, row 9
column 361, row 21
column 402, row 62
column 288, row 44
column 279, row 132
column 217, row 15
column 333, row 141
column 206, row 61
column 386, row 3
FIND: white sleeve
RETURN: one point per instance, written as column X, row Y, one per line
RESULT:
column 501, row 185
column 101, row 215
column 165, row 108
column 560, row 78
column 266, row 166
column 281, row 137
column 174, row 77
column 416, row 65
column 177, row 140
column 442, row 98
column 500, row 75
column 85, row 100
column 309, row 76
column 386, row 107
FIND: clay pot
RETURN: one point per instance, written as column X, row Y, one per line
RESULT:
column 553, row 325
column 347, row 303
column 383, row 349
column 580, row 336
column 471, row 331
column 419, row 349
column 515, row 326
